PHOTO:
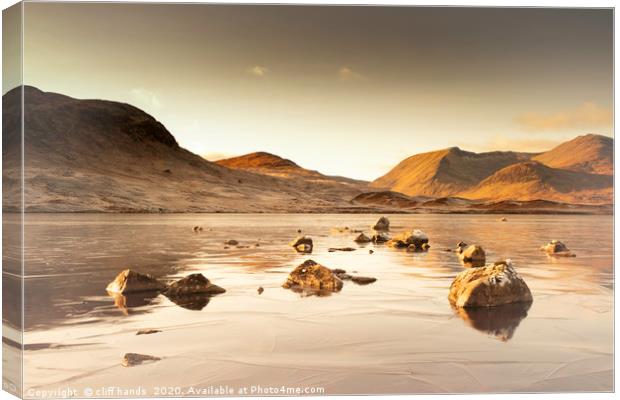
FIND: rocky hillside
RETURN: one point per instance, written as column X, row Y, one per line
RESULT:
column 588, row 153
column 578, row 171
column 95, row 155
column 445, row 172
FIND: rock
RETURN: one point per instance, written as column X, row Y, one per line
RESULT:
column 379, row 238
column 460, row 246
column 298, row 230
column 363, row 280
column 332, row 249
column 361, row 238
column 243, row 247
column 492, row 285
column 473, row 255
column 194, row 283
column 257, row 245
column 147, row 331
column 129, row 281
column 231, row 242
column 503, row 219
column 360, row 280
column 313, row 276
column 260, row 290
column 370, row 251
column 413, row 240
column 226, row 247
column 557, row 248
column 133, row 359
column 198, row 229
column 425, row 246
column 303, row 244
column 383, row 224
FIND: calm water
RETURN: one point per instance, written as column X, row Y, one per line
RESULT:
column 398, row 335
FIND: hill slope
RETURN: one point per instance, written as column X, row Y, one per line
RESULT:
column 445, row 172
column 588, row 153
column 533, row 181
column 95, row 155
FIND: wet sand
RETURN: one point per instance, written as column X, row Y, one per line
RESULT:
column 397, row 335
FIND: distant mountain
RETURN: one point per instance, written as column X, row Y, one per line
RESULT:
column 534, row 181
column 589, row 153
column 445, row 172
column 577, row 171
column 95, row 155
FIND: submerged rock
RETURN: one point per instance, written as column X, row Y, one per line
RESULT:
column 312, row 276
column 194, row 283
column 191, row 301
column 129, row 281
column 557, row 248
column 383, row 224
column 147, row 331
column 231, row 242
column 361, row 238
column 473, row 255
column 133, row 359
column 360, row 280
column 303, row 244
column 414, row 240
column 379, row 238
column 492, row 285
column 333, row 249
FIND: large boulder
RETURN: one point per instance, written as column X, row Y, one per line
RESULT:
column 129, row 281
column 361, row 238
column 473, row 255
column 313, row 276
column 302, row 244
column 193, row 284
column 557, row 248
column 492, row 285
column 414, row 240
column 383, row 224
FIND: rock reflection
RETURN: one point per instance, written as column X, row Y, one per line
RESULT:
column 499, row 321
column 194, row 302
column 125, row 302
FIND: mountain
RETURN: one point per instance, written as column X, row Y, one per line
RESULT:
column 533, row 181
column 577, row 171
column 588, row 153
column 445, row 172
column 273, row 165
column 96, row 155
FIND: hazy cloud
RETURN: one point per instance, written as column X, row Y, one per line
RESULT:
column 526, row 145
column 146, row 98
column 347, row 74
column 258, row 71
column 586, row 116
column 215, row 156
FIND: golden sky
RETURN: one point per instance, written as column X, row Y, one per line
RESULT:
column 344, row 90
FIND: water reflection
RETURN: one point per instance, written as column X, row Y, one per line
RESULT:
column 194, row 302
column 125, row 302
column 499, row 321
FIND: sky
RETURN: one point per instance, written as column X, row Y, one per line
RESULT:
column 344, row 90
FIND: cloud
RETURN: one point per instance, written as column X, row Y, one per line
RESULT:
column 504, row 143
column 258, row 71
column 586, row 116
column 215, row 156
column 146, row 98
column 347, row 74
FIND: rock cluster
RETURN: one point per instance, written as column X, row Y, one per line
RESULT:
column 415, row 240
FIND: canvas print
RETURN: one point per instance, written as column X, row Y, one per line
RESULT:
column 204, row 200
